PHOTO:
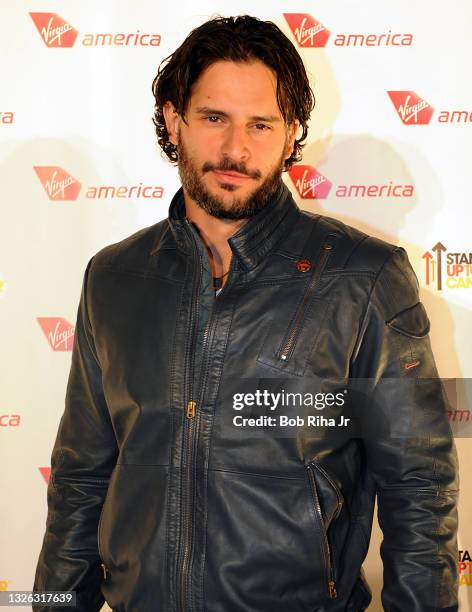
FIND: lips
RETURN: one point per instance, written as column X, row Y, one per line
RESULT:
column 230, row 176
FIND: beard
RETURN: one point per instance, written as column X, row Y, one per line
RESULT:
column 240, row 208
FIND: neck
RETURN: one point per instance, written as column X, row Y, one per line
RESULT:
column 214, row 233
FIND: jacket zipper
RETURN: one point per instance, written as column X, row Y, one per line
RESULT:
column 192, row 425
column 188, row 438
column 327, row 554
column 286, row 352
column 191, row 422
column 190, row 413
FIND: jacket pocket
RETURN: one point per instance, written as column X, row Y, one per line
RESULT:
column 325, row 512
column 288, row 344
column 263, row 539
column 290, row 351
column 103, row 565
column 411, row 327
column 104, row 568
column 412, row 322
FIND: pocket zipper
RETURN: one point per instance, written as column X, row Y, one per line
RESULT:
column 335, row 487
column 105, row 571
column 328, row 557
column 286, row 351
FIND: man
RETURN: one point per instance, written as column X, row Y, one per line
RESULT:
column 158, row 499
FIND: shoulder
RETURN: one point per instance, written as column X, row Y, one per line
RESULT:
column 389, row 278
column 355, row 251
column 133, row 251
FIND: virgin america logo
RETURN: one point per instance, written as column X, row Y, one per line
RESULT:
column 55, row 31
column 58, row 184
column 411, row 109
column 309, row 182
column 58, row 331
column 308, row 31
column 45, row 473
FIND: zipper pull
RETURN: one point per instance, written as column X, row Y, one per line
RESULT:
column 191, row 409
column 332, row 589
column 104, row 570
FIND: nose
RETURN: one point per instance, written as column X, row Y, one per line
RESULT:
column 235, row 143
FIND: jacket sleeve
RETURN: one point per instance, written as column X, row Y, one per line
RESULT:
column 409, row 447
column 83, row 457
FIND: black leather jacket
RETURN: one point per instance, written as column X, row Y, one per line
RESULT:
column 158, row 502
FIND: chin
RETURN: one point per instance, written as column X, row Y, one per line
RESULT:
column 228, row 187
column 225, row 189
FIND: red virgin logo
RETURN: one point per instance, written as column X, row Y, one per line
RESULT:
column 411, row 109
column 45, row 473
column 308, row 32
column 309, row 182
column 414, row 110
column 57, row 183
column 55, row 31
column 58, row 331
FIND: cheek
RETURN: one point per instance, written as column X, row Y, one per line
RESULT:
column 204, row 145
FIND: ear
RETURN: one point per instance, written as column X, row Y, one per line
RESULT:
column 292, row 134
column 172, row 119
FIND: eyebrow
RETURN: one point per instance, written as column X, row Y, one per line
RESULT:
column 205, row 110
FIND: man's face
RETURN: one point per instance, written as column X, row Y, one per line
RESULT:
column 231, row 152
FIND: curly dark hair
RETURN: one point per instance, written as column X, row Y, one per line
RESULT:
column 238, row 39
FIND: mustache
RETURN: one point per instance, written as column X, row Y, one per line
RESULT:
column 228, row 165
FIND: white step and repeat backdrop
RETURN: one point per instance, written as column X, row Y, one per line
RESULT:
column 388, row 152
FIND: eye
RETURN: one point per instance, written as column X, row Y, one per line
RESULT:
column 261, row 127
column 213, row 118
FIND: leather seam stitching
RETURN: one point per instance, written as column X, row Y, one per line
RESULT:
column 256, row 474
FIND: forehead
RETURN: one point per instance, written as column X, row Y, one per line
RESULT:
column 237, row 87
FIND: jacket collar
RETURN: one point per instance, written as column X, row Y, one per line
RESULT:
column 255, row 239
